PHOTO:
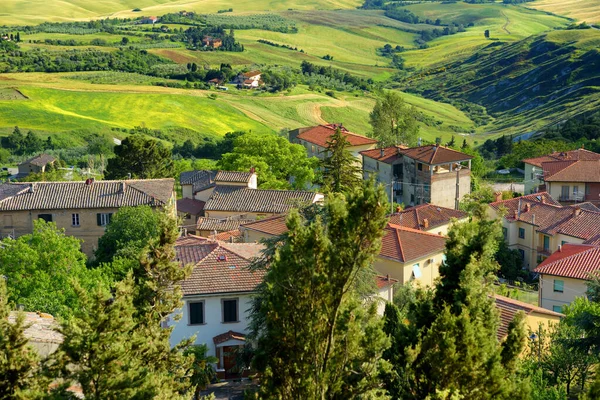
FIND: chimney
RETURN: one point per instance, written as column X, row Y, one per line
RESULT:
column 527, row 207
column 498, row 196
column 398, row 209
column 543, row 200
column 516, row 216
column 31, row 189
column 381, row 152
column 576, row 211
column 559, row 248
column 387, row 277
column 129, row 175
column 426, row 223
column 122, row 187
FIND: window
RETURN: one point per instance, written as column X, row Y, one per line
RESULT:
column 416, row 274
column 559, row 286
column 562, row 243
column 522, row 253
column 546, row 243
column 420, row 167
column 564, row 192
column 45, row 217
column 505, row 233
column 521, row 233
column 557, row 309
column 103, row 219
column 443, row 255
column 588, row 189
column 377, row 165
column 230, row 310
column 196, row 313
column 75, row 219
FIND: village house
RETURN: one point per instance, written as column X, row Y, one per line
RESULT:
column 425, row 174
column 249, row 80
column 232, row 195
column 536, row 225
column 83, row 209
column 35, row 165
column 189, row 211
column 536, row 318
column 563, row 275
column 315, row 139
column 211, row 227
column 149, row 20
column 539, row 169
column 218, row 294
column 428, row 218
column 212, row 42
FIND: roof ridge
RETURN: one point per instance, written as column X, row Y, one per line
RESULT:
column 404, row 228
column 588, row 247
column 524, row 304
column 400, row 245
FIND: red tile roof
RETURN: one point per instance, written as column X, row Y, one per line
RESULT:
column 513, row 204
column 390, row 154
column 406, row 244
column 433, row 154
column 572, row 171
column 233, row 236
column 508, row 308
column 190, row 206
column 320, row 135
column 384, row 281
column 218, row 267
column 271, row 226
column 579, row 154
column 251, row 74
column 417, row 217
column 231, row 335
column 572, row 261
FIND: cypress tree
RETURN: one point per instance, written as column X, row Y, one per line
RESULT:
column 341, row 172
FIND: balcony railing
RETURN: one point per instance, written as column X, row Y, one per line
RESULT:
column 544, row 251
column 572, row 197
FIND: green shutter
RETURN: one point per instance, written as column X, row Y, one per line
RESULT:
column 99, row 219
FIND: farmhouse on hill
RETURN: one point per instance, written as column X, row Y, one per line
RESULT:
column 213, row 42
column 35, row 165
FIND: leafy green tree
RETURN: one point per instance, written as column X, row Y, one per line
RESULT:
column 203, row 372
column 18, row 361
column 393, row 121
column 32, row 144
column 329, row 345
column 100, row 145
column 276, row 161
column 14, row 142
column 40, row 269
column 447, row 346
column 341, row 173
column 141, row 158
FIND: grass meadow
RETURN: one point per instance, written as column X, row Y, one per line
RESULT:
column 581, row 10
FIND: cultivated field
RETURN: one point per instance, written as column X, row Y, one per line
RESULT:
column 581, row 10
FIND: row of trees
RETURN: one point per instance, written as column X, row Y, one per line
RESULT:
column 19, row 144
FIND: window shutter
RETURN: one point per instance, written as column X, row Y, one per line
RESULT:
column 99, row 219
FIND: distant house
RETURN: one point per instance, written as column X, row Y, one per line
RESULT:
column 215, row 81
column 41, row 332
column 83, row 209
column 209, row 227
column 563, row 275
column 249, row 80
column 424, row 174
column 217, row 297
column 34, row 165
column 537, row 225
column 428, row 218
column 213, row 42
column 149, row 20
column 315, row 139
column 536, row 318
column 567, row 175
column 233, row 195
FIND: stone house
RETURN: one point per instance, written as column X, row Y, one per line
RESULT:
column 35, row 165
column 83, row 209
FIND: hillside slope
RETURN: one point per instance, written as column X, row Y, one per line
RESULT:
column 524, row 85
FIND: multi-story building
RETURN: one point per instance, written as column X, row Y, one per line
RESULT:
column 539, row 169
column 428, row 218
column 536, row 225
column 564, row 275
column 83, row 209
column 426, row 174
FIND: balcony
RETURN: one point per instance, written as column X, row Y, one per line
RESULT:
column 544, row 251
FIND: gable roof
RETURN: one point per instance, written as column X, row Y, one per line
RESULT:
column 218, row 267
column 234, row 236
column 508, row 308
column 416, row 217
column 578, row 154
column 199, row 179
column 219, row 224
column 274, row 225
column 406, row 244
column 251, row 74
column 434, row 154
column 233, row 177
column 242, row 199
column 321, row 134
column 39, row 160
column 513, row 204
column 572, row 171
column 389, row 156
column 227, row 336
column 82, row 195
column 190, row 206
column 572, row 261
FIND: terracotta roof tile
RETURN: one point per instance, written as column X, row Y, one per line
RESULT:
column 508, row 308
column 320, row 135
column 406, row 244
column 384, row 281
column 40, row 160
column 241, row 199
column 433, row 154
column 416, row 217
column 233, row 177
column 231, row 335
column 572, row 171
column 219, row 225
column 230, row 236
column 190, row 206
column 572, row 261
column 272, row 226
column 513, row 204
column 80, row 195
column 390, row 154
column 578, row 154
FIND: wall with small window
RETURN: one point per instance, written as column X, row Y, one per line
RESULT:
column 557, row 291
column 424, row 270
column 209, row 316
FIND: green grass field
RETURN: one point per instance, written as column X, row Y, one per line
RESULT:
column 581, row 10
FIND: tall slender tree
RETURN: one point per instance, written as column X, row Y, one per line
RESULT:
column 393, row 121
column 341, row 172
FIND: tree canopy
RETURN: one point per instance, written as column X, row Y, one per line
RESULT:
column 341, row 172
column 393, row 121
column 140, row 157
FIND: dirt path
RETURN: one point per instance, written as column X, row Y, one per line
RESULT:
column 505, row 26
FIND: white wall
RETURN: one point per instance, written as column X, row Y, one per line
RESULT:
column 212, row 318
